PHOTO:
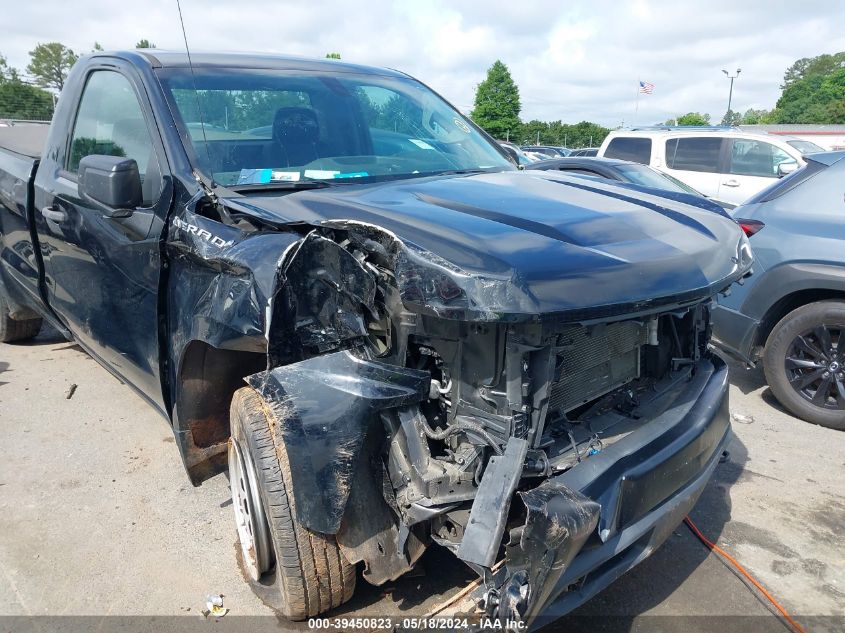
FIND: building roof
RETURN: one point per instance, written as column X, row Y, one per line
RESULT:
column 808, row 128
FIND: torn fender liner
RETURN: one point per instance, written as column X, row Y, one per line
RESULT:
column 558, row 524
column 323, row 407
column 324, row 295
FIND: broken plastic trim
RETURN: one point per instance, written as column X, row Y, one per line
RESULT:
column 559, row 522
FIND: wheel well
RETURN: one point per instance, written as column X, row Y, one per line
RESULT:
column 787, row 304
column 208, row 377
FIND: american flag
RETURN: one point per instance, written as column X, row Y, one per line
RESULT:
column 646, row 88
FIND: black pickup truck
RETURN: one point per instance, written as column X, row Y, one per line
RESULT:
column 336, row 286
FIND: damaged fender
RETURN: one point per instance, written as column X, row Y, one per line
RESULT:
column 323, row 408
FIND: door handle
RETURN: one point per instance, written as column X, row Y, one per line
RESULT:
column 731, row 183
column 52, row 213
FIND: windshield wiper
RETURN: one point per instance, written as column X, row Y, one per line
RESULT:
column 459, row 172
column 296, row 185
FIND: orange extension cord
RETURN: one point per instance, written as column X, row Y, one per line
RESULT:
column 715, row 548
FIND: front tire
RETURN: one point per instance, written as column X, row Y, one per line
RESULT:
column 12, row 330
column 298, row 572
column 804, row 363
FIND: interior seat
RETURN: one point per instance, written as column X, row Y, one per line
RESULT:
column 296, row 133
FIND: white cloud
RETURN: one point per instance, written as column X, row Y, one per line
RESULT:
column 572, row 61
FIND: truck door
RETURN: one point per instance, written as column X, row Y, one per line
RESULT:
column 102, row 272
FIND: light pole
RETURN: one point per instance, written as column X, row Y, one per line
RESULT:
column 731, row 92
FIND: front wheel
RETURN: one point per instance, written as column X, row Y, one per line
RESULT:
column 298, row 572
column 12, row 330
column 804, row 363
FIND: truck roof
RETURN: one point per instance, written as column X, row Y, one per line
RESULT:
column 179, row 59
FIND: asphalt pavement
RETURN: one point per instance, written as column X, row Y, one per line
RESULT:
column 98, row 519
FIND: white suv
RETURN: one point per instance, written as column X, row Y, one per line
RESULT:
column 720, row 162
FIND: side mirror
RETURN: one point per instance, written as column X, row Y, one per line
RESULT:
column 111, row 183
column 787, row 167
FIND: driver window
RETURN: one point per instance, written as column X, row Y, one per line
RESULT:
column 756, row 158
column 110, row 121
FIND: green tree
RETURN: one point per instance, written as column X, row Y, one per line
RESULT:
column 731, row 118
column 813, row 91
column 50, row 64
column 497, row 103
column 756, row 117
column 584, row 134
column 7, row 73
column 807, row 67
column 694, row 118
column 22, row 101
column 836, row 111
column 529, row 133
column 97, row 47
column 332, row 55
column 144, row 43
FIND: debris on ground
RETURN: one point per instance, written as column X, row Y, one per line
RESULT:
column 214, row 606
column 742, row 419
column 71, row 391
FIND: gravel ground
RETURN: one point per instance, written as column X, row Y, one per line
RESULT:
column 97, row 518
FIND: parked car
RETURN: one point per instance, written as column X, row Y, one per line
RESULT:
column 584, row 151
column 392, row 337
column 549, row 150
column 720, row 162
column 537, row 156
column 623, row 171
column 516, row 154
column 790, row 314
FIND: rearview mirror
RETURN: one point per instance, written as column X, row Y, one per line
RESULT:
column 111, row 183
column 787, row 167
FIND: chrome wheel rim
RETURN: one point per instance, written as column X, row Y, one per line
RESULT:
column 253, row 530
column 815, row 366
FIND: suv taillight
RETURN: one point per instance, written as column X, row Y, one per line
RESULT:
column 750, row 227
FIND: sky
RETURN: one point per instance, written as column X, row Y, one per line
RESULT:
column 572, row 61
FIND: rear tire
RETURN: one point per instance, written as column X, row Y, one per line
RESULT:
column 304, row 573
column 12, row 330
column 804, row 362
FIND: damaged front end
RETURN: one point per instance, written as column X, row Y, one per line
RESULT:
column 423, row 405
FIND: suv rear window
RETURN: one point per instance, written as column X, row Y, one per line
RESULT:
column 694, row 154
column 637, row 150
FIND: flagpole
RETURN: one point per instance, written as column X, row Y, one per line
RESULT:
column 636, row 103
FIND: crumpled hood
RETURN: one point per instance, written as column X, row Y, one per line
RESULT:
column 533, row 242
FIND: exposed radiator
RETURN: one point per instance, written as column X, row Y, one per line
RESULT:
column 592, row 361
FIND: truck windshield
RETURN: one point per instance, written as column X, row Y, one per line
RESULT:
column 254, row 127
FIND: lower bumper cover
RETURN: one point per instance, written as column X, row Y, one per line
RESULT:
column 734, row 332
column 611, row 511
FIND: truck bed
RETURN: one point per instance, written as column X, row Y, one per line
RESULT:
column 27, row 139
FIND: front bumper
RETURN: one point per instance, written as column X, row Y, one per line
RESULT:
column 640, row 488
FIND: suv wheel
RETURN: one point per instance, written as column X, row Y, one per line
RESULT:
column 804, row 363
column 299, row 573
